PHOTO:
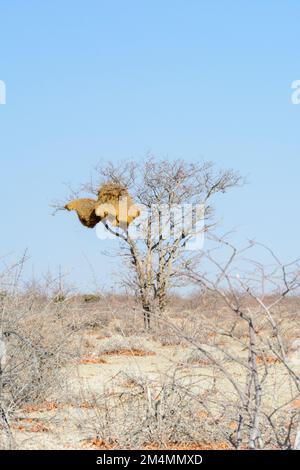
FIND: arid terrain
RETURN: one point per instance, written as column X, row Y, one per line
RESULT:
column 111, row 384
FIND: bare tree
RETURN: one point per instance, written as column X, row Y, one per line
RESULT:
column 176, row 197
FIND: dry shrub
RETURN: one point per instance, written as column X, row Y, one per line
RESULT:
column 36, row 344
column 91, row 298
column 166, row 414
column 132, row 345
column 34, row 360
column 194, row 356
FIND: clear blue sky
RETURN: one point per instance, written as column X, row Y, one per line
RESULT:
column 113, row 79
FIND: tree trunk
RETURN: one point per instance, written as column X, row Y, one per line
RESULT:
column 147, row 314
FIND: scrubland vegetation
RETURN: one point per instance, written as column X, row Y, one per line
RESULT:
column 215, row 368
column 218, row 369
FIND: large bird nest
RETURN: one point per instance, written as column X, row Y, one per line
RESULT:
column 113, row 203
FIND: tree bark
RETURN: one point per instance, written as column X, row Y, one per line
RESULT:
column 147, row 316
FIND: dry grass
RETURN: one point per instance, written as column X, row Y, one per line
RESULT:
column 129, row 352
column 188, row 446
column 131, row 345
column 194, row 356
column 151, row 390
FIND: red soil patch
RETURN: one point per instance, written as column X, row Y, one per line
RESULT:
column 129, row 352
column 188, row 446
column 26, row 420
column 202, row 414
column 86, row 405
column 266, row 359
column 211, row 334
column 101, row 444
column 19, row 427
column 201, row 362
column 295, row 404
column 47, row 406
column 92, row 360
column 38, row 427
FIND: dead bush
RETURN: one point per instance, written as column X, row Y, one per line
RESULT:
column 117, row 344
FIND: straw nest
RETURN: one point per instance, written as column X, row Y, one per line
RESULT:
column 114, row 203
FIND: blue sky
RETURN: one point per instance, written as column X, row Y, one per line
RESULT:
column 94, row 80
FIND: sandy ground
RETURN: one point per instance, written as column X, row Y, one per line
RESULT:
column 66, row 422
